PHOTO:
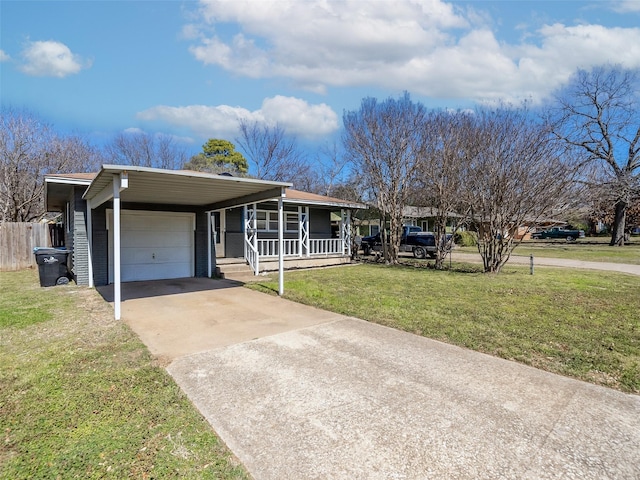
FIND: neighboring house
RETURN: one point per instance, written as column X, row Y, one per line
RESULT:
column 423, row 217
column 176, row 224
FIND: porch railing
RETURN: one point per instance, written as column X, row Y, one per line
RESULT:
column 269, row 248
column 291, row 247
column 326, row 246
column 252, row 257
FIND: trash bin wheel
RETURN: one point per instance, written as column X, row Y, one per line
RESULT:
column 62, row 281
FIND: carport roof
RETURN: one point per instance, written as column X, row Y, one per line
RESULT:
column 178, row 187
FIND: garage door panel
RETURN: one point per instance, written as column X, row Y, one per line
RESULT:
column 162, row 239
column 154, row 245
column 137, row 272
column 159, row 223
column 156, row 255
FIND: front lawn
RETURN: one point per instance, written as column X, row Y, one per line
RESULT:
column 81, row 397
column 577, row 323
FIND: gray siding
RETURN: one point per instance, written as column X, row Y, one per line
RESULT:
column 200, row 244
column 80, row 241
column 319, row 223
column 100, row 245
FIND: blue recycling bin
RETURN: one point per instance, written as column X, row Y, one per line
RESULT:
column 52, row 266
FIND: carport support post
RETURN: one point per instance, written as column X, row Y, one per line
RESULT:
column 209, row 228
column 116, row 246
column 280, row 244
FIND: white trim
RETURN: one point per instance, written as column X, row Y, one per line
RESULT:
column 268, row 220
column 67, row 181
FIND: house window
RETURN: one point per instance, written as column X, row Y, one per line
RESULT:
column 374, row 229
column 291, row 222
column 267, row 221
column 425, row 225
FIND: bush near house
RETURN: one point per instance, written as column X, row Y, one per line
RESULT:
column 466, row 239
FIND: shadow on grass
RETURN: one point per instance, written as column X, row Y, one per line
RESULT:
column 446, row 267
column 261, row 287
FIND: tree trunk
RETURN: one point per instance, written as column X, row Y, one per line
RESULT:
column 617, row 233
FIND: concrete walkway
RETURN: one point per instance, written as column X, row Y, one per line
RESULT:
column 556, row 262
column 300, row 393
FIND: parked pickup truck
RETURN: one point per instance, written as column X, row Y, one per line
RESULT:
column 557, row 232
column 421, row 244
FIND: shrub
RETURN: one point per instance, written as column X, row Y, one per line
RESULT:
column 466, row 239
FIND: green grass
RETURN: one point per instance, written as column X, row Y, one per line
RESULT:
column 577, row 323
column 589, row 249
column 81, row 397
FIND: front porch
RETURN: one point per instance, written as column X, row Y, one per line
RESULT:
column 239, row 269
column 268, row 235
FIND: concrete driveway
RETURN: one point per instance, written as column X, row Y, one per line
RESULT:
column 189, row 315
column 298, row 393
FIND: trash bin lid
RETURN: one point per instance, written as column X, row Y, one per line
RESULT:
column 49, row 250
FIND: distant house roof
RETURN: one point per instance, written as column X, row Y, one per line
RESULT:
column 425, row 212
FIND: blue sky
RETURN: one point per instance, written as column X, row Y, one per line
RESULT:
column 194, row 69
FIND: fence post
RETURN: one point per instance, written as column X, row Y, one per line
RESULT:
column 531, row 264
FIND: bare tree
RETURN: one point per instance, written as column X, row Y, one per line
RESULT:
column 145, row 150
column 272, row 154
column 30, row 149
column 330, row 172
column 518, row 176
column 599, row 117
column 441, row 178
column 384, row 141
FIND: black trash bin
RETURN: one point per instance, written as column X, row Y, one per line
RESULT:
column 52, row 266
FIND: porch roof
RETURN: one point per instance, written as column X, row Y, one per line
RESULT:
column 298, row 196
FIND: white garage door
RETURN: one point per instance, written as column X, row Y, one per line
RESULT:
column 154, row 245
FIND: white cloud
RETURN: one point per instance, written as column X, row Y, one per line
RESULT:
column 296, row 116
column 428, row 47
column 51, row 59
column 175, row 138
column 4, row 57
column 626, row 6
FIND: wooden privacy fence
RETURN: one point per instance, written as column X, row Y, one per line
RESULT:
column 17, row 241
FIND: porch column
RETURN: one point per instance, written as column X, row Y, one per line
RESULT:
column 89, row 244
column 245, row 230
column 254, row 225
column 342, row 229
column 280, row 244
column 347, row 232
column 307, row 238
column 300, row 231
